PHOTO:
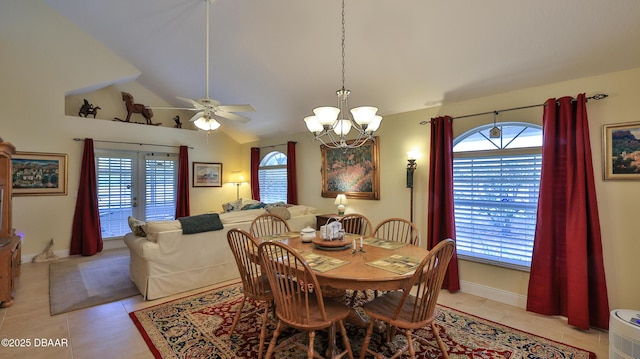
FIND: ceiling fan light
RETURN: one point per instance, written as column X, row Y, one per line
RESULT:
column 364, row 115
column 342, row 127
column 313, row 125
column 326, row 115
column 375, row 124
column 206, row 124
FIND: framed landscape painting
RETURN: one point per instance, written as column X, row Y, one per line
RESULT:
column 621, row 151
column 207, row 174
column 354, row 172
column 39, row 174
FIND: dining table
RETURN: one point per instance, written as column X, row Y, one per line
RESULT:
column 355, row 262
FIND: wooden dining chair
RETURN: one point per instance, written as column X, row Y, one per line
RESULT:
column 414, row 306
column 268, row 224
column 298, row 298
column 356, row 224
column 399, row 230
column 255, row 284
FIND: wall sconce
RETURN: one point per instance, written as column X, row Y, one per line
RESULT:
column 237, row 178
column 412, row 156
column 341, row 200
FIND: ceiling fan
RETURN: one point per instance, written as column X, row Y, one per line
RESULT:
column 208, row 108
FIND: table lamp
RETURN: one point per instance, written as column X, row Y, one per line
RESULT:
column 341, row 200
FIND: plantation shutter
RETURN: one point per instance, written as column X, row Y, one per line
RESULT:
column 495, row 203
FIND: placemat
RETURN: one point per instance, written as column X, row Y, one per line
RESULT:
column 279, row 236
column 396, row 263
column 320, row 263
column 383, row 243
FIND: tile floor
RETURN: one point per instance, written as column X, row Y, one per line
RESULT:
column 106, row 331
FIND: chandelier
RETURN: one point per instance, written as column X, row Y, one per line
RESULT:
column 332, row 130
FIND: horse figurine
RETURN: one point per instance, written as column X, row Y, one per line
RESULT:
column 136, row 108
column 87, row 109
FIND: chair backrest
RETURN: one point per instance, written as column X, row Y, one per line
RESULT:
column 399, row 230
column 245, row 251
column 356, row 224
column 426, row 282
column 295, row 287
column 268, row 224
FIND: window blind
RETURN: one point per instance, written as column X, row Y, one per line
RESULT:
column 495, row 203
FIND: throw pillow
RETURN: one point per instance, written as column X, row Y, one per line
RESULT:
column 136, row 226
column 280, row 211
column 200, row 223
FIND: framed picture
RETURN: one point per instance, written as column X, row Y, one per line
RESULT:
column 621, row 151
column 354, row 172
column 39, row 173
column 207, row 174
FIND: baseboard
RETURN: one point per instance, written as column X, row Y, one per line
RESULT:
column 499, row 295
column 63, row 253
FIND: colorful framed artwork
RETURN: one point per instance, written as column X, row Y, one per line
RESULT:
column 39, row 173
column 354, row 171
column 207, row 174
column 621, row 151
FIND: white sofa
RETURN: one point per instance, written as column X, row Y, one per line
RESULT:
column 167, row 262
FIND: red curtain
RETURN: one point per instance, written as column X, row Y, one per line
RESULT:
column 86, row 235
column 255, row 165
column 567, row 271
column 182, row 200
column 292, row 182
column 441, row 219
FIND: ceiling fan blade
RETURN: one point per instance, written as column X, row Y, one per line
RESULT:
column 190, row 101
column 171, row 108
column 196, row 116
column 232, row 116
column 236, row 108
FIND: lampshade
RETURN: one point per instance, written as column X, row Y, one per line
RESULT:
column 341, row 200
column 236, row 177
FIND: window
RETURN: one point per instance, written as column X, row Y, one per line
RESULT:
column 272, row 177
column 495, row 190
column 142, row 185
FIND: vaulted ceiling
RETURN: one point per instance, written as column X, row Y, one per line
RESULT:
column 284, row 56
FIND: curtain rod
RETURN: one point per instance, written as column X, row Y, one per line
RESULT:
column 281, row 144
column 131, row 143
column 599, row 96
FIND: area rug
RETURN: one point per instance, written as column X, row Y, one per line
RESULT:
column 198, row 326
column 82, row 282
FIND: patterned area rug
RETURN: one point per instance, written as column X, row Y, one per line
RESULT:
column 198, row 327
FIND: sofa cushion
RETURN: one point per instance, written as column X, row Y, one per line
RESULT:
column 200, row 223
column 241, row 216
column 280, row 211
column 152, row 228
column 301, row 210
column 136, row 226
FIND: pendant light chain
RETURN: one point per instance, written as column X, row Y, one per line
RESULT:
column 343, row 47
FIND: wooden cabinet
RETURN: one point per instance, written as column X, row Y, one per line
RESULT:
column 9, row 270
column 10, row 244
